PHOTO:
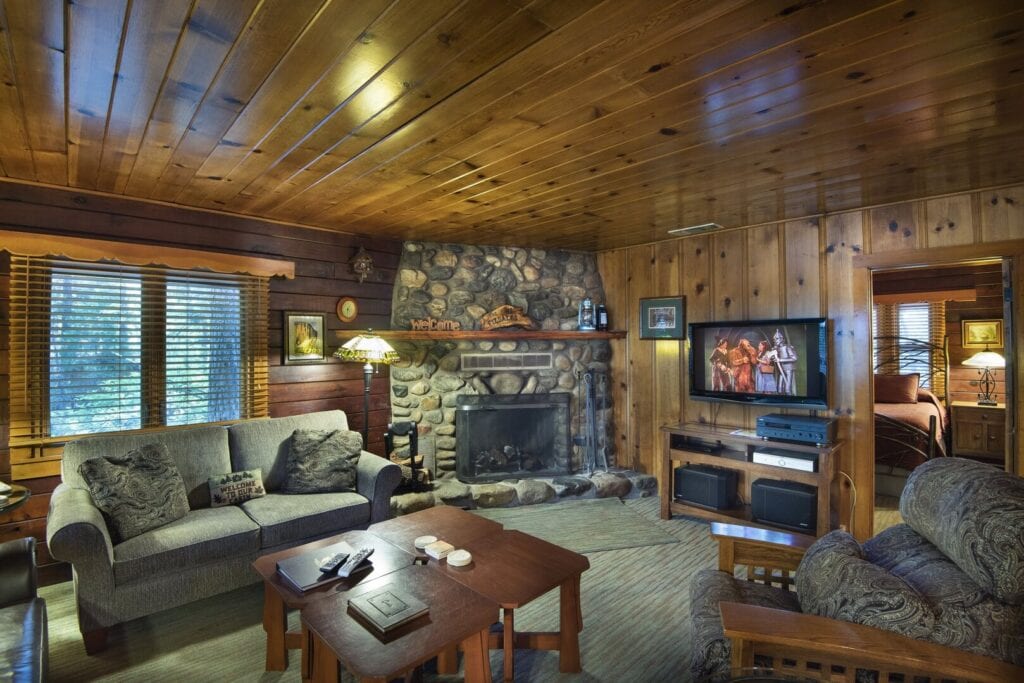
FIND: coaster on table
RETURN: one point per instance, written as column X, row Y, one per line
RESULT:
column 422, row 542
column 459, row 558
column 5, row 487
column 439, row 549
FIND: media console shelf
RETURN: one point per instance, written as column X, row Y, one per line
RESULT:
column 688, row 443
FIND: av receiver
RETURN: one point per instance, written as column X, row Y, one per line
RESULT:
column 798, row 428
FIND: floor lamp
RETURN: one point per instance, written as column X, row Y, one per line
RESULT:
column 986, row 360
column 368, row 349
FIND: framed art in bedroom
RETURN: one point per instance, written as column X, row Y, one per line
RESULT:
column 982, row 334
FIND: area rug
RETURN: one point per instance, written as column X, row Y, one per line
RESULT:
column 583, row 526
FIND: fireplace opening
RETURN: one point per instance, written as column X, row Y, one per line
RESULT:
column 512, row 436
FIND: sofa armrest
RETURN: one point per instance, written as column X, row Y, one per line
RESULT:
column 17, row 571
column 803, row 638
column 77, row 533
column 377, row 479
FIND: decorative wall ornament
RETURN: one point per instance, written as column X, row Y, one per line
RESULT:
column 362, row 264
column 433, row 324
column 506, row 316
column 347, row 309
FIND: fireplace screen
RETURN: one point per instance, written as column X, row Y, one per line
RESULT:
column 512, row 436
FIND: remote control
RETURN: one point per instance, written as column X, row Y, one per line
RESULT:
column 354, row 560
column 329, row 564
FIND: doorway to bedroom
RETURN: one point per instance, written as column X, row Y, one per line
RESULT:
column 941, row 344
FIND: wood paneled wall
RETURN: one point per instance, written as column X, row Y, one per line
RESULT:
column 322, row 276
column 803, row 268
column 987, row 305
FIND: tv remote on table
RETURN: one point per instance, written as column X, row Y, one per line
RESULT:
column 354, row 560
column 328, row 565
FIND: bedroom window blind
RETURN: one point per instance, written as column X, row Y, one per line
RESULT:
column 102, row 347
column 921, row 321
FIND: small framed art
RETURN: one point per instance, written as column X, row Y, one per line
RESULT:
column 304, row 338
column 663, row 318
column 980, row 334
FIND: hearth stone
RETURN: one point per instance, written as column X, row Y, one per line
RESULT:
column 646, row 484
column 407, row 503
column 451, row 492
column 493, row 495
column 572, row 486
column 533, row 491
column 610, row 485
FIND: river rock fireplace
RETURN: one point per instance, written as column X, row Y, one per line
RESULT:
column 512, row 437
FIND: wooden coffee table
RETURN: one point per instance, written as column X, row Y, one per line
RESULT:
column 279, row 597
column 513, row 569
column 458, row 616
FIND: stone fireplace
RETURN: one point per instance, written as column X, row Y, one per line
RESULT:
column 436, row 376
column 511, row 437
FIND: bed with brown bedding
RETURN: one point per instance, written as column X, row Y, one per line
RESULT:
column 911, row 421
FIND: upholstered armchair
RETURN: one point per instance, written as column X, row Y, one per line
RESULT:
column 940, row 596
column 24, row 640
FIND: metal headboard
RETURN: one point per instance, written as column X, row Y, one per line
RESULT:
column 900, row 355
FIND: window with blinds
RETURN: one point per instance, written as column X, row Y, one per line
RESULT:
column 925, row 322
column 99, row 347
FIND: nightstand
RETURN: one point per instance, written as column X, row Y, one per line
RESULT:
column 979, row 430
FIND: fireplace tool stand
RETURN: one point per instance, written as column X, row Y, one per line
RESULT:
column 414, row 484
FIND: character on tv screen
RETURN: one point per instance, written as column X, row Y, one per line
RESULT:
column 785, row 361
column 764, row 379
column 721, row 374
column 742, row 359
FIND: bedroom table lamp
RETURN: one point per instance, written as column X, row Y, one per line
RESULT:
column 369, row 349
column 986, row 360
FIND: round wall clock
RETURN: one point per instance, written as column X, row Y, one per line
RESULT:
column 347, row 309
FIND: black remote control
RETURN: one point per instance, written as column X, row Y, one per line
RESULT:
column 354, row 560
column 330, row 564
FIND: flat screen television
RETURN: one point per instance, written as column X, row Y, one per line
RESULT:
column 760, row 362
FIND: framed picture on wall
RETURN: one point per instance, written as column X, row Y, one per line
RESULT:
column 663, row 318
column 980, row 334
column 304, row 338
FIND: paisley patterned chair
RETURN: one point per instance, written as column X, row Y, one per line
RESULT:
column 939, row 597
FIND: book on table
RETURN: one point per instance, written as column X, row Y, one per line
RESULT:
column 302, row 572
column 387, row 608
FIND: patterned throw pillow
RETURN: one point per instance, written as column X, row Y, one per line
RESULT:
column 322, row 461
column 835, row 581
column 236, row 487
column 137, row 491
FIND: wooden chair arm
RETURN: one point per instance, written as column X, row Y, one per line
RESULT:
column 808, row 638
column 747, row 546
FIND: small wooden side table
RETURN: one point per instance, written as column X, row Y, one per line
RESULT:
column 978, row 430
column 15, row 498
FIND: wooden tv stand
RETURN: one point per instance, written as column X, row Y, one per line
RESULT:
column 737, row 454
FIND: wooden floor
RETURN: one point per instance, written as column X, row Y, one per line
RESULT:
column 887, row 512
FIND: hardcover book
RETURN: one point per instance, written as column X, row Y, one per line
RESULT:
column 387, row 608
column 302, row 572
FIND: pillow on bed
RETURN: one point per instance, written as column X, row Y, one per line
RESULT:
column 896, row 388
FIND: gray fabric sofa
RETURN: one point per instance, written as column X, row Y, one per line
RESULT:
column 952, row 574
column 210, row 550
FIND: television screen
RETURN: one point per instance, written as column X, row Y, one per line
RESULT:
column 763, row 362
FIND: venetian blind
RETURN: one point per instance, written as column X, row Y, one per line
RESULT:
column 101, row 347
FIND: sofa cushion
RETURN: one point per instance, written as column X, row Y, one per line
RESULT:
column 321, row 461
column 137, row 491
column 287, row 518
column 835, row 581
column 236, row 487
column 968, row 617
column 264, row 443
column 709, row 588
column 974, row 514
column 207, row 535
column 198, row 452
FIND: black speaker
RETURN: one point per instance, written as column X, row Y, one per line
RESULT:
column 786, row 504
column 706, row 486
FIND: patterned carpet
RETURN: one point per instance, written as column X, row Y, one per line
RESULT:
column 635, row 614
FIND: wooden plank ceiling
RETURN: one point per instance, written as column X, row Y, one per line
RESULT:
column 584, row 124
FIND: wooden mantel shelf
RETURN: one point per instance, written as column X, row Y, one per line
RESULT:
column 486, row 335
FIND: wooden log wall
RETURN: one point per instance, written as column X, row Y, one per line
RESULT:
column 322, row 277
column 803, row 268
